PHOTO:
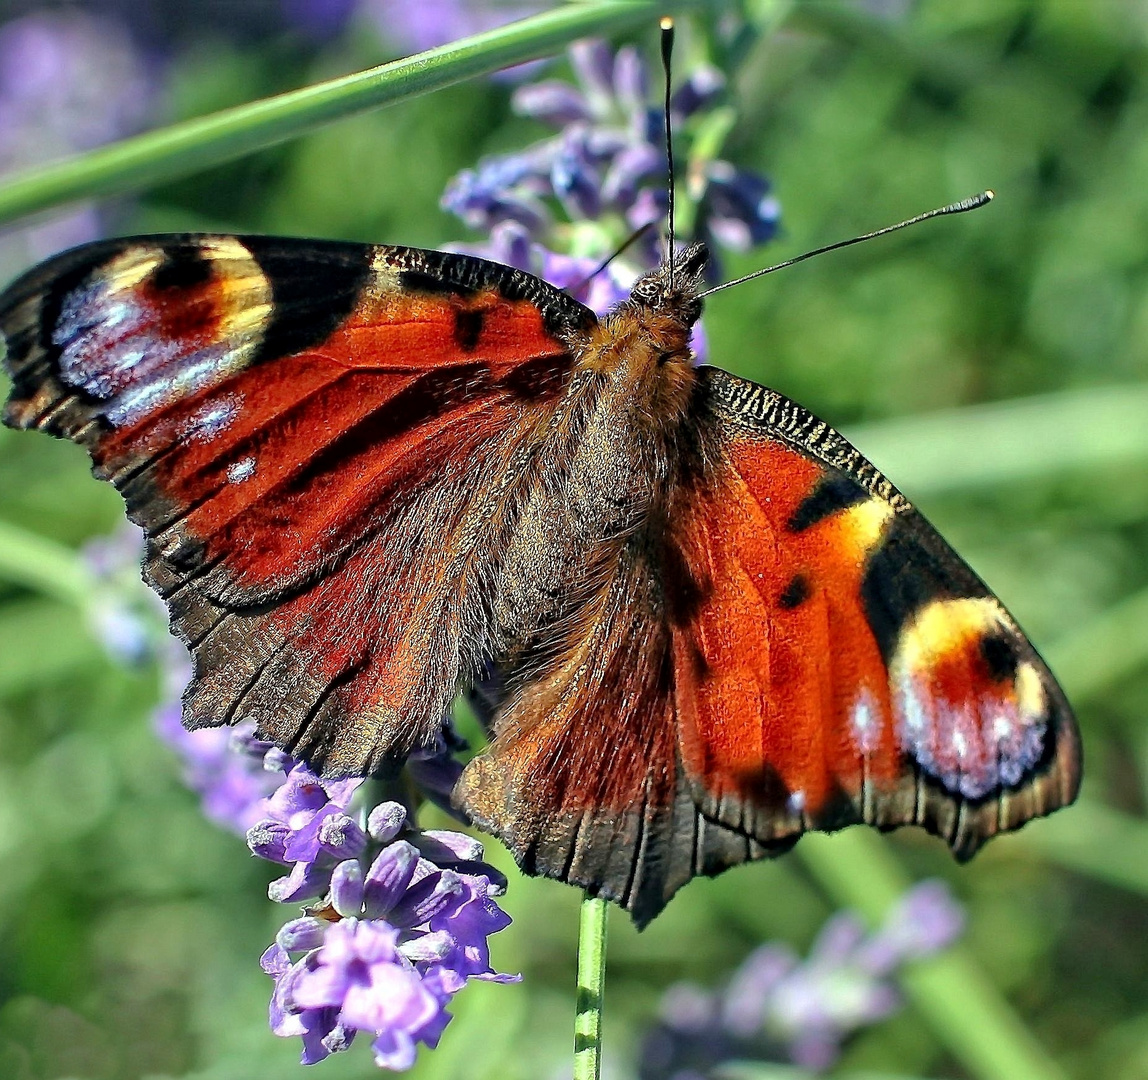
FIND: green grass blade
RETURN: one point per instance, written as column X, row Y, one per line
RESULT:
column 1008, row 441
column 1104, row 649
column 201, row 143
column 965, row 1010
column 40, row 564
column 1093, row 839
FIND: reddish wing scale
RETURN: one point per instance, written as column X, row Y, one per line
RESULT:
column 277, row 414
column 797, row 650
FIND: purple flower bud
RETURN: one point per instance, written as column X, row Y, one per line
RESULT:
column 347, row 888
column 751, row 987
column 630, row 168
column 276, row 760
column 925, row 920
column 443, row 845
column 426, row 898
column 575, row 179
column 389, row 878
column 629, row 83
column 305, row 882
column 648, row 207
column 698, row 92
column 428, row 948
column 593, row 65
column 435, row 775
column 385, row 821
column 301, row 935
column 341, row 837
column 738, row 209
column 268, row 840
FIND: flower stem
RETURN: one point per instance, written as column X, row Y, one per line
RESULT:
column 591, row 978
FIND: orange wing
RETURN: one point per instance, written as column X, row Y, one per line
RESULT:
column 798, row 649
column 315, row 437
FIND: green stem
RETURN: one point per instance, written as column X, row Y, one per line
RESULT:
column 966, row 1011
column 591, row 980
column 206, row 141
column 38, row 563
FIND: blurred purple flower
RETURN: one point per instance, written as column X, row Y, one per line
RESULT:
column 423, row 25
column 69, row 81
column 319, row 18
column 604, row 172
column 125, row 617
column 232, row 786
column 779, row 1008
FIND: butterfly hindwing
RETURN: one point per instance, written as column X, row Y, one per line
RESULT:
column 790, row 647
column 313, row 436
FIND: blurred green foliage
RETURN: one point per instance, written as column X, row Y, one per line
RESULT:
column 130, row 927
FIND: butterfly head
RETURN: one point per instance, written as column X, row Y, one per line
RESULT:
column 672, row 289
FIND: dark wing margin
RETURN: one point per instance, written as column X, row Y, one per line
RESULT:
column 290, row 421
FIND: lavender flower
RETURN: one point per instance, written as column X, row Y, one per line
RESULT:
column 400, row 918
column 231, row 781
column 777, row 1007
column 400, row 933
column 604, row 172
column 124, row 616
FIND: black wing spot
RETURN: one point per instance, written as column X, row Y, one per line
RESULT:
column 833, row 494
column 912, row 568
column 468, row 329
column 314, row 287
column 796, row 592
column 1000, row 656
column 182, row 268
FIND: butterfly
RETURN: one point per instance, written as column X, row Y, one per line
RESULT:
column 698, row 622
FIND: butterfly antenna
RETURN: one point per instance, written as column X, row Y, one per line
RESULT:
column 961, row 207
column 629, row 242
column 667, row 26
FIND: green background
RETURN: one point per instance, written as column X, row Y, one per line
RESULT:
column 993, row 365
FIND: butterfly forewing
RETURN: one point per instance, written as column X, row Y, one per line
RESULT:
column 892, row 686
column 315, row 437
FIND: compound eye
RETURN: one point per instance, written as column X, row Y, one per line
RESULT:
column 646, row 291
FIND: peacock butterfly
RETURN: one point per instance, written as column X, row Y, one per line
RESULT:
column 702, row 623
column 697, row 621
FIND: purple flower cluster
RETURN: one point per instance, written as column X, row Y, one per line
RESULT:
column 778, row 1008
column 398, row 918
column 605, row 173
column 399, row 924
